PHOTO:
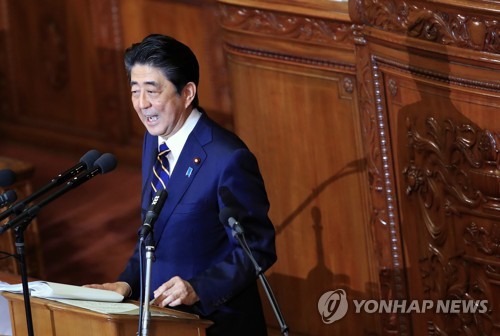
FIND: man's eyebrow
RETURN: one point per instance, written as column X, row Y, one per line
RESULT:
column 153, row 83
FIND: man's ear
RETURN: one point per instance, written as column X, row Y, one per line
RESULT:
column 188, row 93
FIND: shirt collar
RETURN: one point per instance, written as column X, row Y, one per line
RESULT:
column 176, row 142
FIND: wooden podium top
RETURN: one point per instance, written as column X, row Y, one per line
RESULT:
column 56, row 318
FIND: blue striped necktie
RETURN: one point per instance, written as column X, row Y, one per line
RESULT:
column 161, row 169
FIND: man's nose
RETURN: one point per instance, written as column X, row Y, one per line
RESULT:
column 143, row 100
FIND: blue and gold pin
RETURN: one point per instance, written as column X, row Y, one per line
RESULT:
column 197, row 161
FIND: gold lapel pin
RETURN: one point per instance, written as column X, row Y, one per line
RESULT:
column 197, row 160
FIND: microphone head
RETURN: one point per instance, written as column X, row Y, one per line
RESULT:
column 8, row 197
column 159, row 198
column 89, row 158
column 7, row 177
column 106, row 163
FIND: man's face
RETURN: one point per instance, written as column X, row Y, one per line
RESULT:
column 161, row 109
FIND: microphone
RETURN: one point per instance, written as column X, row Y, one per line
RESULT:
column 7, row 197
column 86, row 162
column 7, row 177
column 229, row 215
column 105, row 163
column 153, row 212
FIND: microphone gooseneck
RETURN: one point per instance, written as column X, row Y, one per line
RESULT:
column 86, row 162
column 104, row 164
column 230, row 215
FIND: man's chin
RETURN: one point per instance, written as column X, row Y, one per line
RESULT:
column 155, row 130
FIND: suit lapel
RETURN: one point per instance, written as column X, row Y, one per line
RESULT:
column 150, row 153
column 189, row 163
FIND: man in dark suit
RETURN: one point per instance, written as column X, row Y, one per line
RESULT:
column 199, row 266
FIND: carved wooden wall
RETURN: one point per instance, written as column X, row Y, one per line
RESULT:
column 429, row 90
column 292, row 70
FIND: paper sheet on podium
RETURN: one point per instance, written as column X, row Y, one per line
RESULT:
column 110, row 307
column 53, row 290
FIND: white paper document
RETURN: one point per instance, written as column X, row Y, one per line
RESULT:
column 5, row 326
column 111, row 307
column 53, row 290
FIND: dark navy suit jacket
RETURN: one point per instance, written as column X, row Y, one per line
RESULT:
column 191, row 240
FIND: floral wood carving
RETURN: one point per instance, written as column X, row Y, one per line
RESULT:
column 487, row 241
column 461, row 158
column 427, row 21
column 453, row 172
column 456, row 278
column 286, row 26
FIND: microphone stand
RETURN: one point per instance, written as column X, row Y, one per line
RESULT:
column 19, row 234
column 239, row 235
column 145, row 316
column 20, row 223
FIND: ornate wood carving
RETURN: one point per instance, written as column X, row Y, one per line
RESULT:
column 289, row 27
column 447, row 165
column 431, row 22
column 384, row 220
column 461, row 177
column 453, row 171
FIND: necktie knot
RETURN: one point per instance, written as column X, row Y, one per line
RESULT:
column 164, row 150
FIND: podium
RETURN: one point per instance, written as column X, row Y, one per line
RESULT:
column 55, row 318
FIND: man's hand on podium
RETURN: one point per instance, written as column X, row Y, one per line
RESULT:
column 120, row 287
column 175, row 292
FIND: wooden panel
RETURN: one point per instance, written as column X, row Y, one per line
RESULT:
column 65, row 90
column 295, row 105
column 313, row 175
column 428, row 75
